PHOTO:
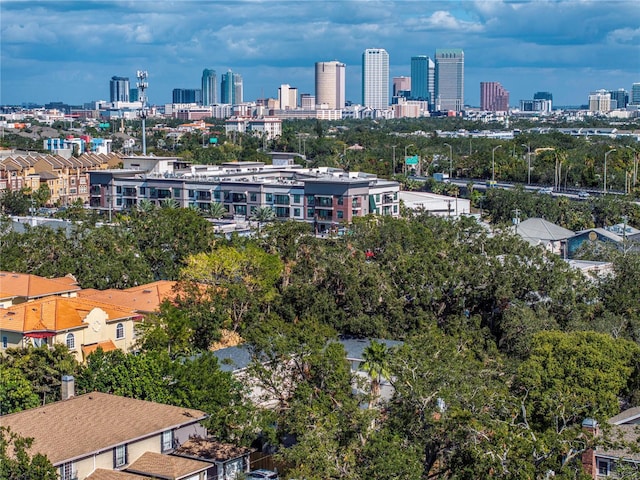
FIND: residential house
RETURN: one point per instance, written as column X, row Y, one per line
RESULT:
column 229, row 460
column 85, row 435
column 82, row 325
column 603, row 461
column 142, row 298
column 16, row 288
column 593, row 237
column 538, row 231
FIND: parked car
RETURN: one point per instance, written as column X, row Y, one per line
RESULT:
column 545, row 191
column 262, row 474
column 583, row 194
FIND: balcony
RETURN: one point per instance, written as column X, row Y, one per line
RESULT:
column 281, row 199
column 129, row 192
column 324, row 202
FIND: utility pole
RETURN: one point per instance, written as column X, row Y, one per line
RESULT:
column 528, row 145
column 450, row 161
column 516, row 218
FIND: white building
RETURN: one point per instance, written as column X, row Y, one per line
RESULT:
column 375, row 78
column 330, row 84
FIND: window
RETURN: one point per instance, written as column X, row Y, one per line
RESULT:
column 296, row 198
column 296, row 212
column 176, row 193
column 71, row 341
column 119, row 189
column 340, row 214
column 341, row 200
column 603, row 467
column 166, row 442
column 254, row 197
column 67, row 471
column 269, row 197
column 119, row 456
column 5, row 342
column 119, row 331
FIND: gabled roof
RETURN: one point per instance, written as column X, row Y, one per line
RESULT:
column 602, row 232
column 168, row 467
column 54, row 314
column 143, row 298
column 622, row 434
column 33, row 286
column 74, row 428
column 106, row 346
column 631, row 415
column 211, row 450
column 541, row 229
column 103, row 474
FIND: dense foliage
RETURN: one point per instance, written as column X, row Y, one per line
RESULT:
column 506, row 348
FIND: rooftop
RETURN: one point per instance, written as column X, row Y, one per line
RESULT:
column 93, row 422
column 33, row 286
column 170, row 467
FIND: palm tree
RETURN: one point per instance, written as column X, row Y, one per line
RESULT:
column 146, row 206
column 169, row 203
column 216, row 210
column 376, row 365
column 263, row 215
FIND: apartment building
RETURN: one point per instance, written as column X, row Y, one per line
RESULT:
column 325, row 197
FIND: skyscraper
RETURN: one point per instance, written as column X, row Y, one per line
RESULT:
column 423, row 77
column 493, row 97
column 635, row 94
column 209, row 87
column 287, row 97
column 375, row 78
column 620, row 97
column 119, row 87
column 449, row 83
column 600, row 101
column 231, row 88
column 330, row 84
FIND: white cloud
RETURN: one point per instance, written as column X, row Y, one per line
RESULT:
column 624, row 35
column 443, row 20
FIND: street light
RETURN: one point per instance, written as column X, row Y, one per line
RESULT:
column 528, row 162
column 493, row 163
column 635, row 164
column 605, row 168
column 450, row 160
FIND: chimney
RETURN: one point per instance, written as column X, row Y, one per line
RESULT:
column 590, row 426
column 67, row 389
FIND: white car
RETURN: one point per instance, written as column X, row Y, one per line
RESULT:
column 584, row 195
column 262, row 474
column 545, row 191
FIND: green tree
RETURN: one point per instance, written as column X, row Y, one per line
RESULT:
column 376, row 365
column 16, row 392
column 570, row 376
column 216, row 210
column 17, row 463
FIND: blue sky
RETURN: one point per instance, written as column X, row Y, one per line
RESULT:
column 68, row 50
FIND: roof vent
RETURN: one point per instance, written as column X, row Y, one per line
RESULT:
column 146, row 291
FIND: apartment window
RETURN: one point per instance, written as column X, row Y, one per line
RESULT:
column 143, row 191
column 5, row 342
column 269, row 197
column 296, row 212
column 166, row 441
column 340, row 200
column 340, row 214
column 67, row 471
column 119, row 331
column 296, row 198
column 216, row 195
column 176, row 193
column 119, row 456
column 253, row 196
column 192, row 193
column 71, row 341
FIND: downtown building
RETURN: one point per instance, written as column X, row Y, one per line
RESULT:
column 231, row 89
column 119, row 89
column 324, row 197
column 375, row 78
column 600, row 101
column 209, row 87
column 330, row 84
column 493, row 97
column 423, row 79
column 449, row 80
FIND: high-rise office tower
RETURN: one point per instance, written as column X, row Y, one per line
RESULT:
column 449, row 81
column 375, row 78
column 187, row 95
column 493, row 97
column 635, row 94
column 620, row 97
column 330, row 84
column 401, row 86
column 209, row 87
column 423, row 79
column 231, row 88
column 133, row 94
column 119, row 87
column 287, row 97
column 307, row 101
column 543, row 96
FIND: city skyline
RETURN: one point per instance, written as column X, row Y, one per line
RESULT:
column 67, row 51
